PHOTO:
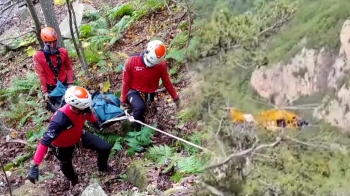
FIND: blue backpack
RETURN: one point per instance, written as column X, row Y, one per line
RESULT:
column 105, row 106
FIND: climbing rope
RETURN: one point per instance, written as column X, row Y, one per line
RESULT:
column 131, row 119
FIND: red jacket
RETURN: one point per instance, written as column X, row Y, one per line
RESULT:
column 43, row 71
column 138, row 77
column 65, row 130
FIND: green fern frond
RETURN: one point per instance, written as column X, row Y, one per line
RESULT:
column 97, row 42
column 179, row 40
column 110, row 138
column 70, row 48
column 101, row 23
column 124, row 23
column 92, row 56
column 159, row 154
column 192, row 51
column 175, row 54
column 121, row 10
column 21, row 85
column 102, row 31
column 190, row 165
column 35, row 135
column 85, row 31
column 91, row 15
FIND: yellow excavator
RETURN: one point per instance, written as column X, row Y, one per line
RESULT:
column 272, row 120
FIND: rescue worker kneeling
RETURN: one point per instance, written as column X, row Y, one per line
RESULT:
column 142, row 73
column 65, row 132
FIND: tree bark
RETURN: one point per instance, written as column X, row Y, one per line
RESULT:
column 35, row 18
column 73, row 36
column 3, row 129
column 51, row 20
column 84, row 63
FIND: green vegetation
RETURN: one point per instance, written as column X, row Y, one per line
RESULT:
column 319, row 21
column 232, row 45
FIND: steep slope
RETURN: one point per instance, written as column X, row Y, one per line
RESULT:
column 311, row 71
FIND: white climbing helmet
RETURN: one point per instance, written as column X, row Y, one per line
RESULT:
column 78, row 97
column 155, row 53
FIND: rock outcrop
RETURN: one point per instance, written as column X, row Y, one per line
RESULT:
column 94, row 190
column 309, row 72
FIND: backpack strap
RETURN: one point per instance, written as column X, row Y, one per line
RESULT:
column 56, row 69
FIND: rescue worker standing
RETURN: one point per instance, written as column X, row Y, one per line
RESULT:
column 141, row 74
column 65, row 133
column 51, row 64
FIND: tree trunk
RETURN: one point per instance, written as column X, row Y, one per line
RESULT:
column 50, row 19
column 75, row 42
column 83, row 57
column 3, row 129
column 35, row 18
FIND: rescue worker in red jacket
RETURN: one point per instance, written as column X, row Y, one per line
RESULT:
column 141, row 74
column 65, row 133
column 51, row 64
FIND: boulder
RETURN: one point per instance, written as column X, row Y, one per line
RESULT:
column 94, row 190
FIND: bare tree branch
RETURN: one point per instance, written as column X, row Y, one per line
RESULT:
column 244, row 152
column 15, row 37
column 212, row 189
column 18, row 141
column 7, row 180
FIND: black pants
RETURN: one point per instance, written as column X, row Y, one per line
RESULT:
column 139, row 107
column 89, row 141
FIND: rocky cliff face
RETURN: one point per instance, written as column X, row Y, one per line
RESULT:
column 309, row 72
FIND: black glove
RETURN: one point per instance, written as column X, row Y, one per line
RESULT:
column 124, row 105
column 177, row 102
column 97, row 125
column 33, row 174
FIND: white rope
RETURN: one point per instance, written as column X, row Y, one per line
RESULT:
column 131, row 119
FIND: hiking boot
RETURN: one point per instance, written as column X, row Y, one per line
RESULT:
column 106, row 171
column 74, row 181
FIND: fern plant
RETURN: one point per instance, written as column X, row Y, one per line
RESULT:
column 137, row 139
column 159, row 154
column 20, row 85
column 119, row 11
column 164, row 155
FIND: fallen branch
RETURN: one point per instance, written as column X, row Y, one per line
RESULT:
column 7, row 180
column 139, row 42
column 212, row 189
column 307, row 143
column 244, row 152
column 15, row 37
column 19, row 142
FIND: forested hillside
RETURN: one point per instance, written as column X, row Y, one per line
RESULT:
column 237, row 37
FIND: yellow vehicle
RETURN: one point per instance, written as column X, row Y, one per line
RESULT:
column 273, row 119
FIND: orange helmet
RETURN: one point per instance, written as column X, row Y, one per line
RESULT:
column 48, row 34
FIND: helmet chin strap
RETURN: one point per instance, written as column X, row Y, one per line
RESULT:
column 48, row 50
column 147, row 63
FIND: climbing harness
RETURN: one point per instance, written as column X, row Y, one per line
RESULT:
column 150, row 104
column 54, row 69
column 131, row 119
